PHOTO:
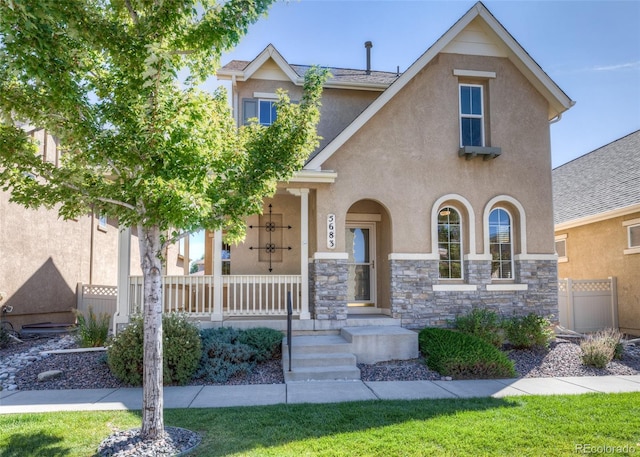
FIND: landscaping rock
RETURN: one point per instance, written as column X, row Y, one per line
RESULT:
column 51, row 374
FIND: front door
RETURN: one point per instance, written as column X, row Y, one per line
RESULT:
column 360, row 244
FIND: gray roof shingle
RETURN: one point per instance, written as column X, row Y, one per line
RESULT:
column 338, row 74
column 603, row 180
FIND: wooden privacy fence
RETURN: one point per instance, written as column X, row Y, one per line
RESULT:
column 588, row 305
column 102, row 299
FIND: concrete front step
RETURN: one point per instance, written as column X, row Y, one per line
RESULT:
column 318, row 344
column 319, row 358
column 335, row 373
column 299, row 360
column 323, row 357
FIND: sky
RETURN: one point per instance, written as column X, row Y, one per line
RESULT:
column 591, row 49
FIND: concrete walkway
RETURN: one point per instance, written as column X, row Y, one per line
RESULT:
column 307, row 392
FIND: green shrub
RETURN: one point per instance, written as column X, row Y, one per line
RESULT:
column 267, row 342
column 181, row 347
column 93, row 330
column 528, row 331
column 463, row 356
column 223, row 355
column 600, row 349
column 483, row 323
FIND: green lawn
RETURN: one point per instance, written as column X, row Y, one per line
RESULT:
column 523, row 426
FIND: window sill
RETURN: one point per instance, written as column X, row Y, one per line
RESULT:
column 454, row 287
column 487, row 153
column 632, row 251
column 506, row 287
column 563, row 259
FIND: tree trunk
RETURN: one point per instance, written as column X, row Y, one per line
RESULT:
column 152, row 400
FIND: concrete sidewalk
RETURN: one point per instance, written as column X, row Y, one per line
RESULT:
column 307, row 392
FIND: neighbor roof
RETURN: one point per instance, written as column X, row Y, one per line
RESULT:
column 602, row 181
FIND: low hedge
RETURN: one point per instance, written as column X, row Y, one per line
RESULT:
column 463, row 356
column 181, row 349
column 227, row 351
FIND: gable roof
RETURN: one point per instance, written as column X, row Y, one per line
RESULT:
column 604, row 182
column 507, row 45
column 342, row 78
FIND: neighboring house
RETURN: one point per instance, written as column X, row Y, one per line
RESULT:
column 429, row 194
column 597, row 221
column 43, row 257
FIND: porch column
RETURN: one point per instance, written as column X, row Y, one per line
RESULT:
column 121, row 316
column 304, row 250
column 304, row 253
column 217, row 276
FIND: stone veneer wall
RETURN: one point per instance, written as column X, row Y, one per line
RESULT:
column 328, row 289
column 414, row 301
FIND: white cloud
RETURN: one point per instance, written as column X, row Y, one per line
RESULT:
column 620, row 66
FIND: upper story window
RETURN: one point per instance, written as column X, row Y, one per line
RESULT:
column 471, row 115
column 450, row 243
column 633, row 236
column 501, row 244
column 561, row 248
column 263, row 110
column 102, row 222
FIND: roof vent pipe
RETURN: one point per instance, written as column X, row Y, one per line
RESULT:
column 368, row 45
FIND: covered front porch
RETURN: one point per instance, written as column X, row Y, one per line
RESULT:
column 262, row 278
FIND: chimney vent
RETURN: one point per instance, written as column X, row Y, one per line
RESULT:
column 368, row 45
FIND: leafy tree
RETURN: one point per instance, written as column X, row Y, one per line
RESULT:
column 137, row 144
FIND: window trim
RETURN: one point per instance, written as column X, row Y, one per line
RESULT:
column 467, row 215
column 103, row 222
column 258, row 101
column 565, row 257
column 520, row 229
column 633, row 223
column 226, row 247
column 481, row 116
column 462, row 241
column 511, row 243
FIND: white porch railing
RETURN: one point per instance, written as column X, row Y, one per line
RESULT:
column 242, row 295
column 260, row 295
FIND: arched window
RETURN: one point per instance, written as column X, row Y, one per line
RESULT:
column 501, row 244
column 450, row 243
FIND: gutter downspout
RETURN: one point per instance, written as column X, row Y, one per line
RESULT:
column 555, row 119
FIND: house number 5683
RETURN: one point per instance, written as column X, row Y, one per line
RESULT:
column 331, row 231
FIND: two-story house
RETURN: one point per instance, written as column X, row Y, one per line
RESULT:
column 429, row 194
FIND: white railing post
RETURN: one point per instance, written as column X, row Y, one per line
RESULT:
column 614, row 302
column 217, row 277
column 121, row 315
column 570, row 305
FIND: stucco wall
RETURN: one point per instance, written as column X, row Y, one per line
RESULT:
column 596, row 251
column 245, row 261
column 43, row 258
column 339, row 106
column 406, row 156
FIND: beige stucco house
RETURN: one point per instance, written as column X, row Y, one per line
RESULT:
column 597, row 222
column 429, row 194
column 43, row 258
